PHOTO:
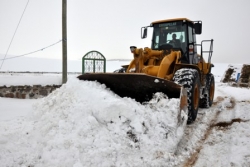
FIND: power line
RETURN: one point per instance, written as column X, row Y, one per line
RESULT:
column 14, row 33
column 31, row 52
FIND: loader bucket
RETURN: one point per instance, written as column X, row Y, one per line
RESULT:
column 140, row 87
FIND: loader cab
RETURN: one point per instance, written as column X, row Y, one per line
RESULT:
column 185, row 32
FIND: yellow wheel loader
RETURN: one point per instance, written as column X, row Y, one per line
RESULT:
column 171, row 66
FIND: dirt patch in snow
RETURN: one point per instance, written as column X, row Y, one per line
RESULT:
column 227, row 124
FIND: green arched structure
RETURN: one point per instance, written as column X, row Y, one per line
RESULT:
column 93, row 62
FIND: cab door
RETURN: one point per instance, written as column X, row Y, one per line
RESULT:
column 192, row 48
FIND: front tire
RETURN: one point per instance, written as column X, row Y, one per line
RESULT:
column 190, row 80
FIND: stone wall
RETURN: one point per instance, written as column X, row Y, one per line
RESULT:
column 26, row 91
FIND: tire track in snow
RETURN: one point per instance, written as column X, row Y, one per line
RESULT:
column 220, row 139
column 197, row 133
column 226, row 104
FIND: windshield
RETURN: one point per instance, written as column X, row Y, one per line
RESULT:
column 172, row 33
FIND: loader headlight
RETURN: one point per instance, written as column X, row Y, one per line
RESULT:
column 132, row 49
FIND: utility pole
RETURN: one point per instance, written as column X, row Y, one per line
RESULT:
column 64, row 41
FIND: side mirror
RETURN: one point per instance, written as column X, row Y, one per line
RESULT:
column 144, row 32
column 198, row 27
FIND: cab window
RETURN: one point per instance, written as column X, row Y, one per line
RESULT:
column 163, row 34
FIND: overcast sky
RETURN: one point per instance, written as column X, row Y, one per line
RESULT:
column 111, row 26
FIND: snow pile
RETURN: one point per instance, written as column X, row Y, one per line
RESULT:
column 85, row 124
column 231, row 73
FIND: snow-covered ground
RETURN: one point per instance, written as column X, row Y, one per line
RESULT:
column 33, row 64
column 84, row 124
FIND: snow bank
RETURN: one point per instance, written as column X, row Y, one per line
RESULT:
column 85, row 124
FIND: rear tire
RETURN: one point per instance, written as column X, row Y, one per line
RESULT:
column 190, row 80
column 208, row 96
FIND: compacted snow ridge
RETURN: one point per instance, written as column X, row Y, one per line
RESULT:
column 68, row 126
